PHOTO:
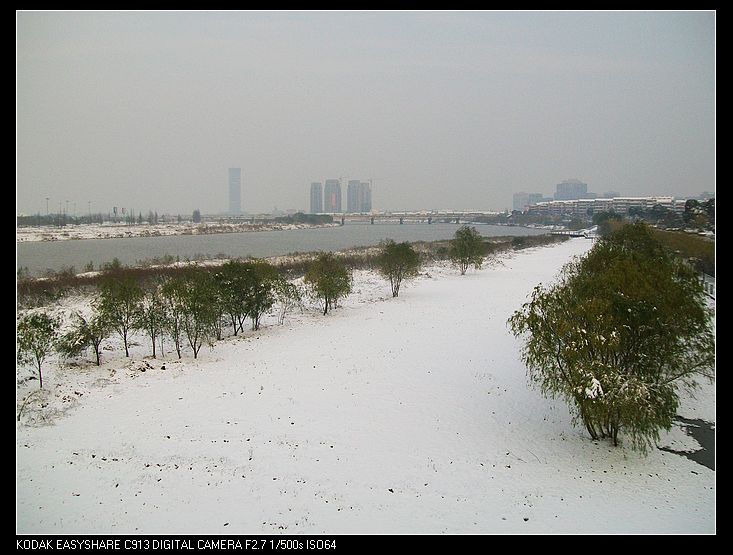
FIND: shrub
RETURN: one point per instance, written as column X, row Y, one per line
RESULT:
column 35, row 337
column 467, row 249
column 397, row 262
column 329, row 280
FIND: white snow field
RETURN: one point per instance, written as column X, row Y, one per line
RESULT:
column 410, row 415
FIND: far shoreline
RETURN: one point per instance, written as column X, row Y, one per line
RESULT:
column 124, row 231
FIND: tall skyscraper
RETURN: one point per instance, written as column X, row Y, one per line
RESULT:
column 235, row 191
column 332, row 196
column 353, row 196
column 316, row 198
column 365, row 197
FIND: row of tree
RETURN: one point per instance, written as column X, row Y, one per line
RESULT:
column 195, row 306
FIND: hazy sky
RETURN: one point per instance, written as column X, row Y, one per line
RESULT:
column 442, row 109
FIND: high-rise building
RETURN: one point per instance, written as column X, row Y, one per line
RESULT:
column 521, row 201
column 235, row 191
column 359, row 196
column 353, row 196
column 534, row 198
column 332, row 196
column 571, row 189
column 365, row 197
column 316, row 198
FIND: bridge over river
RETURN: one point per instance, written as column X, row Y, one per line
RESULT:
column 412, row 217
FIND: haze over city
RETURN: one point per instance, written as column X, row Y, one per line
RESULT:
column 440, row 109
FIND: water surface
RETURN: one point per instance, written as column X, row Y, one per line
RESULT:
column 54, row 255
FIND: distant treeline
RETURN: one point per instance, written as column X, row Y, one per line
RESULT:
column 39, row 291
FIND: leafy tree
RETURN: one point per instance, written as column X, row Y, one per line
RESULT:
column 709, row 207
column 119, row 303
column 173, row 292
column 618, row 335
column 200, row 308
column 151, row 317
column 396, row 262
column 604, row 221
column 288, row 295
column 467, row 248
column 196, row 216
column 692, row 208
column 35, row 338
column 328, row 279
column 231, row 281
column 85, row 333
column 259, row 278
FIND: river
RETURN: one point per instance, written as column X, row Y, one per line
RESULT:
column 54, row 255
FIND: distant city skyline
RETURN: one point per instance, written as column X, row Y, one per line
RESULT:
column 332, row 196
column 235, row 191
column 450, row 109
column 316, row 198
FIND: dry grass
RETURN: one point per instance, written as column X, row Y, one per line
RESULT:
column 41, row 291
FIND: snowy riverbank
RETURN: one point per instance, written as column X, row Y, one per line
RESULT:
column 120, row 231
column 407, row 415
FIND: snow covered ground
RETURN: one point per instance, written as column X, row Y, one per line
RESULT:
column 110, row 230
column 407, row 415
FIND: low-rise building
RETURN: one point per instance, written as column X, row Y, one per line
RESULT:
column 620, row 205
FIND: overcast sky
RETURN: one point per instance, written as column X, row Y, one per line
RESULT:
column 458, row 110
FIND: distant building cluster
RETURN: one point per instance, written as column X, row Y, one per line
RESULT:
column 522, row 201
column 326, row 198
column 570, row 192
column 572, row 189
column 620, row 205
